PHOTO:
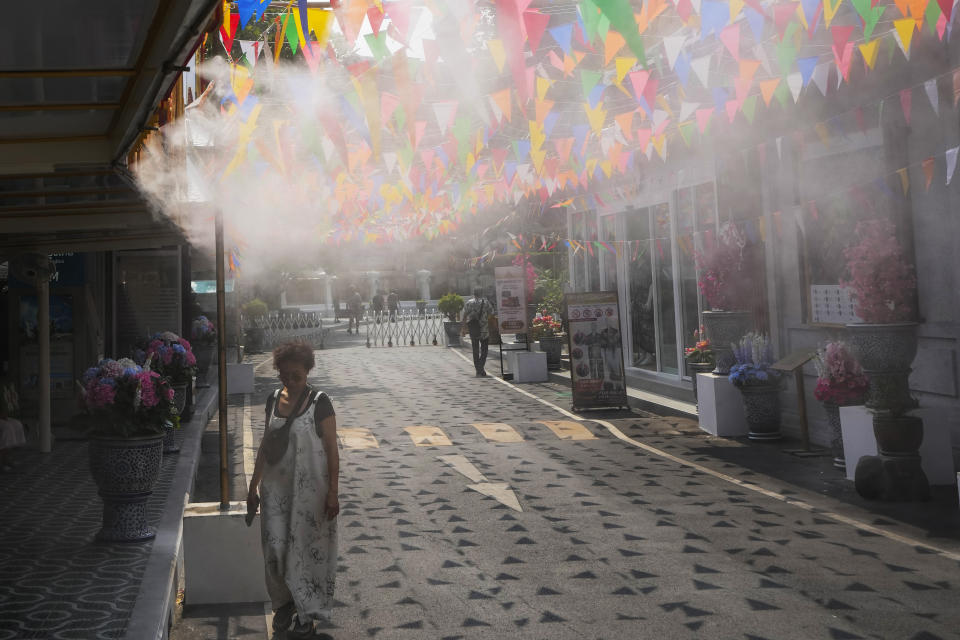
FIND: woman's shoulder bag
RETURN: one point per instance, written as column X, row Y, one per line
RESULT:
column 275, row 442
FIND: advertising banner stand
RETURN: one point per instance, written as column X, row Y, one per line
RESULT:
column 511, row 308
column 596, row 351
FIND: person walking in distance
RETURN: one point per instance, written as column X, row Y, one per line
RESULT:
column 476, row 313
column 354, row 309
column 295, row 483
column 393, row 304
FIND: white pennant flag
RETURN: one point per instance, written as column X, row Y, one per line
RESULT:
column 780, row 147
column 795, row 82
column 930, row 86
column 445, row 112
column 390, row 159
column 821, row 74
column 701, row 67
column 761, row 54
column 497, row 113
column 696, row 5
column 251, row 50
column 951, row 156
column 672, row 46
column 687, row 109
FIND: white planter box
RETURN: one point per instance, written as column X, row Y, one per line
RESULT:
column 239, row 378
column 856, row 424
column 720, row 406
column 527, row 366
column 222, row 556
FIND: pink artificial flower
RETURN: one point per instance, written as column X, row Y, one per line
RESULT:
column 185, row 344
column 99, row 395
column 170, row 394
column 191, row 359
column 148, row 393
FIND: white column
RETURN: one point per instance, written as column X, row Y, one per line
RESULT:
column 423, row 283
column 43, row 335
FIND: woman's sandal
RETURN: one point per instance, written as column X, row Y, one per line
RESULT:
column 301, row 630
column 283, row 616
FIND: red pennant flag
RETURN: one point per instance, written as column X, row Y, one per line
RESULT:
column 536, row 24
column 928, row 166
column 946, row 6
column 375, row 16
column 906, row 99
column 228, row 37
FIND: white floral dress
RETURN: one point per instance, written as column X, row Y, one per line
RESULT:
column 299, row 542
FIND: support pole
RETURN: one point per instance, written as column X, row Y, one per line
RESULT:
column 802, row 408
column 222, row 363
column 43, row 336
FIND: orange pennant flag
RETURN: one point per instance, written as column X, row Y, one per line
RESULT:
column 502, row 98
column 767, row 87
column 625, row 120
column 904, row 180
column 612, row 46
column 928, row 167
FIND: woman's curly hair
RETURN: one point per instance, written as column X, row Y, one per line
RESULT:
column 294, row 352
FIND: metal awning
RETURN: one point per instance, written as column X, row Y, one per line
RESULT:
column 79, row 82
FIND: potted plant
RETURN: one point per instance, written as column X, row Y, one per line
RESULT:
column 203, row 335
column 254, row 313
column 450, row 305
column 124, row 409
column 546, row 328
column 840, row 383
column 700, row 357
column 883, row 286
column 172, row 357
column 758, row 384
column 724, row 285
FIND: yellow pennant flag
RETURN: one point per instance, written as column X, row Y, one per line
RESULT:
column 736, row 6
column 830, row 9
column 591, row 166
column 767, row 87
column 543, row 85
column 660, row 144
column 537, row 137
column 596, row 116
column 320, row 21
column 904, row 180
column 538, row 157
column 869, row 51
column 822, row 132
column 905, row 28
column 623, row 66
column 499, row 55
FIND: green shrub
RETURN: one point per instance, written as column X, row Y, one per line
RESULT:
column 450, row 305
column 255, row 308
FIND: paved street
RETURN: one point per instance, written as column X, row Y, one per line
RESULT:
column 472, row 508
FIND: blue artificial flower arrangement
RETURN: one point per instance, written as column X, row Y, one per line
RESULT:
column 754, row 356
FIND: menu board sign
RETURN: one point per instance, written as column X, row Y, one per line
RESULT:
column 511, row 300
column 596, row 352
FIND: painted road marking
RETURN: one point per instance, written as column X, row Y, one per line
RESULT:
column 463, row 466
column 357, row 438
column 424, row 436
column 801, row 504
column 499, row 491
column 498, row 432
column 568, row 430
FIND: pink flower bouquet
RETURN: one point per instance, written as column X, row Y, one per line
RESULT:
column 840, row 378
column 123, row 399
column 171, row 356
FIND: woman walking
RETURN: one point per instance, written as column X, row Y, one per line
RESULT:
column 296, row 473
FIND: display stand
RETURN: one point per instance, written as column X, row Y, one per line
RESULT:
column 720, row 406
column 793, row 363
column 508, row 347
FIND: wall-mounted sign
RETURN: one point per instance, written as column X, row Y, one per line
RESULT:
column 596, row 351
column 511, row 300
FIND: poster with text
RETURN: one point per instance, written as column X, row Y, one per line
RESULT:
column 511, row 300
column 596, row 351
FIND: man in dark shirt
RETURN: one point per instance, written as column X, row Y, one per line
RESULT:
column 393, row 304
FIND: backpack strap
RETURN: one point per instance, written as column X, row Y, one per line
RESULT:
column 271, row 401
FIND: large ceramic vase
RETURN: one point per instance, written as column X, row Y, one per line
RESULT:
column 204, row 354
column 761, row 404
column 180, row 402
column 886, row 352
column 836, row 434
column 725, row 328
column 452, row 330
column 552, row 346
column 695, row 368
column 125, row 470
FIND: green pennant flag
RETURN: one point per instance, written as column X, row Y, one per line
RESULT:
column 461, row 129
column 378, row 45
column 290, row 31
column 406, row 154
column 932, row 15
column 782, row 92
column 591, row 16
column 686, row 131
column 749, row 107
column 400, row 116
column 786, row 56
column 620, row 15
column 869, row 14
column 589, row 80
column 603, row 26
